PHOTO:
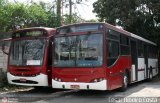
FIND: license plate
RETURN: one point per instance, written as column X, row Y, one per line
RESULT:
column 75, row 86
column 22, row 79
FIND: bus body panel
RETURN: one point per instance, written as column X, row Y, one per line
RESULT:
column 82, row 77
column 141, row 69
column 115, row 72
column 25, row 70
column 80, row 74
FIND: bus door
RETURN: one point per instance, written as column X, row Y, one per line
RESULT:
column 146, row 60
column 134, row 71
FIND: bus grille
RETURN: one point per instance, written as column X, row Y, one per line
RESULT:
column 27, row 81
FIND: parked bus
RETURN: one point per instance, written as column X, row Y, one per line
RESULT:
column 30, row 57
column 99, row 56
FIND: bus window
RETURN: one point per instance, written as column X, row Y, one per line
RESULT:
column 112, row 52
column 112, row 47
column 124, row 45
column 140, row 49
column 111, row 34
column 79, row 51
column 27, row 52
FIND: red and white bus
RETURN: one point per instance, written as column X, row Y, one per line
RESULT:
column 30, row 57
column 99, row 56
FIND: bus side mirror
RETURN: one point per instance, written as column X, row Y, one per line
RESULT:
column 5, row 47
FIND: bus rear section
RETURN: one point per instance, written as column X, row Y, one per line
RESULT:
column 29, row 60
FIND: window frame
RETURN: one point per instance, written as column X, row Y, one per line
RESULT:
column 127, row 45
column 75, row 34
column 21, row 39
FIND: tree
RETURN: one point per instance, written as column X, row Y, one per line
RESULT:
column 141, row 17
column 16, row 15
column 75, row 19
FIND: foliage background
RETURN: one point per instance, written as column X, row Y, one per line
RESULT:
column 141, row 17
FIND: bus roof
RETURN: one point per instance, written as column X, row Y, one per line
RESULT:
column 114, row 28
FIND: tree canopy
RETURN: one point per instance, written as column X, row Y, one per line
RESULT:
column 141, row 17
column 17, row 15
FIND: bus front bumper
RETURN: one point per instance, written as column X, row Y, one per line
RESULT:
column 39, row 80
column 76, row 85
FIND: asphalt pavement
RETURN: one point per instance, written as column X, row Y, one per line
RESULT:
column 141, row 92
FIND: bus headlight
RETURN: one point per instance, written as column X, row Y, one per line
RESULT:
column 58, row 79
column 101, row 79
column 97, row 80
column 55, row 79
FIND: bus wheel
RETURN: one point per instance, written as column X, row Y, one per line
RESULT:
column 124, row 83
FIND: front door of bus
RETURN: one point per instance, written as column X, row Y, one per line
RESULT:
column 134, row 71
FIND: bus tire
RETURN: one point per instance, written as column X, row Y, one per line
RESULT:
column 124, row 82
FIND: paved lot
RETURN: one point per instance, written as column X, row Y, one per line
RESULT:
column 142, row 92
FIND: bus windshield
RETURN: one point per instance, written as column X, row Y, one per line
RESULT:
column 78, row 51
column 27, row 52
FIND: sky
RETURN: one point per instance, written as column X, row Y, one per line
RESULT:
column 83, row 10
